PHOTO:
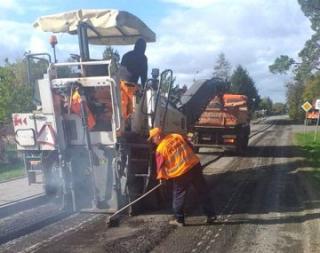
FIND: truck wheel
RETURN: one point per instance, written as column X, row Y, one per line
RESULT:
column 245, row 143
column 242, row 143
column 239, row 149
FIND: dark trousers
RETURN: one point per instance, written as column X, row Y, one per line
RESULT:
column 181, row 185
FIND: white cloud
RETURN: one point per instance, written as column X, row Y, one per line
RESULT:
column 192, row 3
column 14, row 36
column 21, row 37
column 10, row 5
column 250, row 32
column 24, row 7
column 37, row 44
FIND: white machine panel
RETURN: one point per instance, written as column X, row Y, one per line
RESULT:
column 46, row 96
column 76, row 134
column 34, row 131
column 23, row 126
column 26, row 137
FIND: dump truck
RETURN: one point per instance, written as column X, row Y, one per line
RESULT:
column 88, row 133
column 224, row 123
column 312, row 116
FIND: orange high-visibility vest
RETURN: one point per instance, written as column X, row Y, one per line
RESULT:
column 178, row 156
column 76, row 108
column 127, row 92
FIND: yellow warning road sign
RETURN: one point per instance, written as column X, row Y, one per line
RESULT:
column 306, row 106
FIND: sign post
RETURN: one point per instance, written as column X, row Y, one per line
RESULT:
column 317, row 107
column 306, row 107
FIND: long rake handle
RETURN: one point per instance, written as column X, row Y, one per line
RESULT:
column 135, row 201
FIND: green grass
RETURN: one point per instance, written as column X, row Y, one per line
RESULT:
column 13, row 168
column 10, row 172
column 311, row 150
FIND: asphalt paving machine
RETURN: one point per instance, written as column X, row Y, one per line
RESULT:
column 89, row 132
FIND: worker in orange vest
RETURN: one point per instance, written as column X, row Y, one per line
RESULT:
column 176, row 161
column 76, row 108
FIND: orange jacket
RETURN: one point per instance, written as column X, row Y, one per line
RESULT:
column 178, row 157
column 127, row 92
column 76, row 108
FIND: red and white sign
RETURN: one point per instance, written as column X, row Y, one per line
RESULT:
column 47, row 135
column 317, row 104
column 19, row 121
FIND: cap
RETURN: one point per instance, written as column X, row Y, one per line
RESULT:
column 154, row 132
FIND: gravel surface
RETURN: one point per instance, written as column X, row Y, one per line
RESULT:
column 267, row 202
column 48, row 234
column 22, row 222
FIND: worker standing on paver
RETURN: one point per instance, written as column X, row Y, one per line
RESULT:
column 176, row 161
column 136, row 63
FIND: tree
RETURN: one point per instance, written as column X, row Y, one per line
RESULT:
column 278, row 108
column 310, row 54
column 311, row 9
column 112, row 54
column 14, row 97
column 312, row 88
column 16, row 93
column 295, row 100
column 242, row 83
column 222, row 68
column 266, row 104
column 281, row 64
column 305, row 84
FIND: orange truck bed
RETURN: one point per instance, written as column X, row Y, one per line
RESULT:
column 227, row 111
column 224, row 123
column 313, row 114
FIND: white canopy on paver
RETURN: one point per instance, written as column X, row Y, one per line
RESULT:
column 107, row 27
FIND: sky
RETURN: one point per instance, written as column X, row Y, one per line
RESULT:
column 190, row 34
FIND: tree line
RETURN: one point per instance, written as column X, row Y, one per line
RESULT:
column 305, row 84
column 240, row 82
column 17, row 96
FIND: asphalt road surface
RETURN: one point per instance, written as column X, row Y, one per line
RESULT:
column 266, row 202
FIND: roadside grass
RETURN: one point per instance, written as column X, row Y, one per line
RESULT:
column 12, row 168
column 9, row 171
column 311, row 150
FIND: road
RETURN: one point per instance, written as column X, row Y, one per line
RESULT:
column 18, row 189
column 267, row 202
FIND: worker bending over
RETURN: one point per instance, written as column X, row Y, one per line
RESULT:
column 176, row 160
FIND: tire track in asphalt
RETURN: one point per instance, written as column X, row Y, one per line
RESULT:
column 204, row 233
column 206, row 245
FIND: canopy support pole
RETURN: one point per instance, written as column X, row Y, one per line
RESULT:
column 83, row 41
